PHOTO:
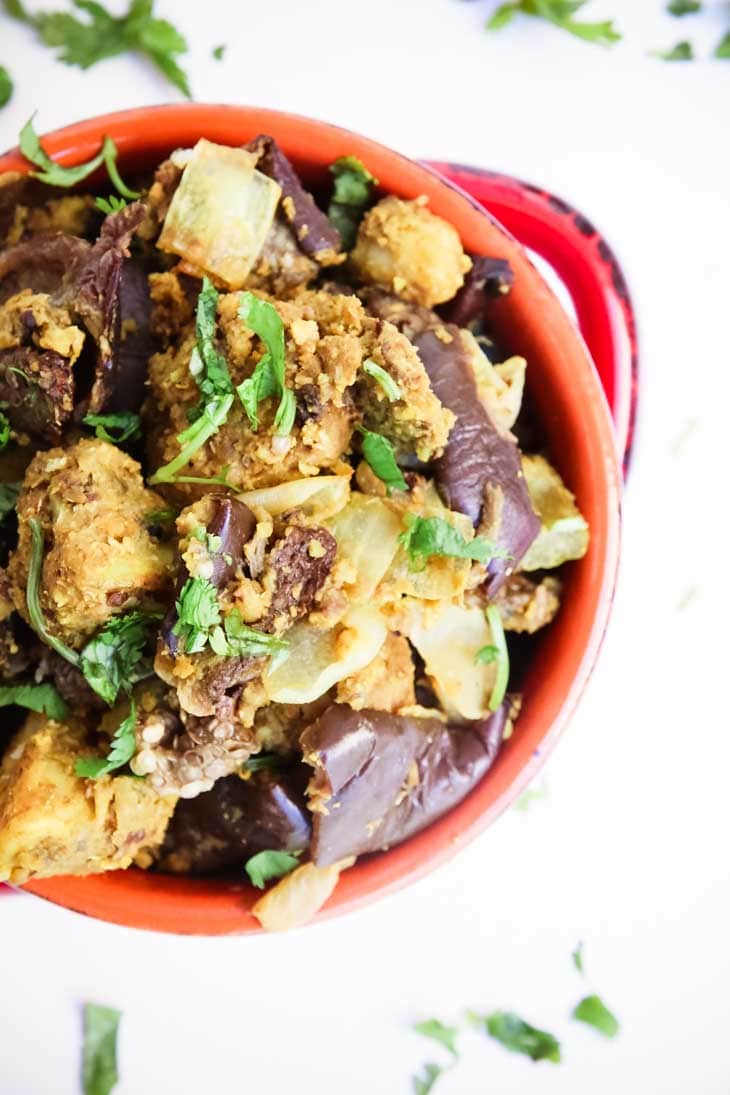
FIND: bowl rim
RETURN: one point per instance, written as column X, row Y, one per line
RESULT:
column 195, row 906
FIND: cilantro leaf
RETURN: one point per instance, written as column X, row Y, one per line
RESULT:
column 55, row 175
column 593, row 1011
column 110, row 205
column 263, row 762
column 236, row 639
column 502, row 657
column 8, row 497
column 427, row 536
column 123, row 746
column 198, row 612
column 682, row 51
column 159, row 517
column 684, row 7
column 439, row 1032
column 114, row 658
column 265, row 866
column 42, row 698
column 4, row 431
column 32, row 595
column 352, row 194
column 218, row 52
column 269, row 376
column 486, row 654
column 423, row 1084
column 99, row 1072
column 577, row 957
column 384, row 379
column 722, row 49
column 518, row 1036
column 6, row 86
column 380, row 455
column 125, row 422
column 560, row 13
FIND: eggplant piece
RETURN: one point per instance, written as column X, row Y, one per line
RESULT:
column 37, row 391
column 315, row 233
column 488, row 278
column 477, row 457
column 134, row 342
column 221, row 829
column 47, row 263
column 381, row 778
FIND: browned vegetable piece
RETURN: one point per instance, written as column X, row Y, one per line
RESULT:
column 315, row 233
column 221, row 829
column 37, row 391
column 488, row 278
column 46, row 263
column 133, row 343
column 380, row 778
column 300, row 563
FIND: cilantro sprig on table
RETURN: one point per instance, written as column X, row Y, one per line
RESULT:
column 99, row 1071
column 85, row 42
column 561, row 14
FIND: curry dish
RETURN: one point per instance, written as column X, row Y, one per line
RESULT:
column 268, row 536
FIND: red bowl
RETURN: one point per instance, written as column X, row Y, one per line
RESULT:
column 574, row 416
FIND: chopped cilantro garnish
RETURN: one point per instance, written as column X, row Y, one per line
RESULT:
column 380, row 455
column 42, row 698
column 593, row 1011
column 560, row 13
column 234, row 638
column 4, row 431
column 684, row 7
column 682, row 51
column 125, row 424
column 423, row 1084
column 159, row 517
column 518, row 1036
column 8, row 497
column 218, row 52
column 114, row 659
column 32, row 595
column 99, row 1073
column 269, row 375
column 263, row 762
column 384, row 379
column 502, row 657
column 577, row 957
column 439, row 1032
column 110, row 205
column 352, row 194
column 55, row 175
column 722, row 49
column 6, row 86
column 122, row 750
column 198, row 612
column 212, row 542
column 486, row 654
column 427, row 536
column 265, row 866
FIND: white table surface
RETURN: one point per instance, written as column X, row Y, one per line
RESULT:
column 628, row 851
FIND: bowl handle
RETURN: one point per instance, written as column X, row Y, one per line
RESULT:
column 584, row 261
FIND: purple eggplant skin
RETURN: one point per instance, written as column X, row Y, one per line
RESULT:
column 220, row 830
column 36, row 391
column 315, row 233
column 46, row 263
column 381, row 778
column 134, row 344
column 487, row 279
column 477, row 456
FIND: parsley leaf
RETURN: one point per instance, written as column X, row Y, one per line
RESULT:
column 384, row 379
column 32, row 595
column 593, row 1011
column 4, row 431
column 8, row 497
column 502, row 657
column 427, row 536
column 423, row 1084
column 42, row 698
column 122, row 750
column 6, row 86
column 126, row 425
column 577, row 957
column 683, row 51
column 110, row 205
column 439, row 1032
column 99, row 1072
column 55, row 175
column 684, row 7
column 520, row 1037
column 353, row 193
column 85, row 43
column 269, row 376
column 560, row 13
column 198, row 612
column 114, row 658
column 380, row 455
column 235, row 639
column 218, row 52
column 265, row 866
column 722, row 49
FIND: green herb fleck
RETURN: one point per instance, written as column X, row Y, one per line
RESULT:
column 263, row 762
column 4, row 431
column 439, row 1032
column 265, row 866
column 219, row 52
column 502, row 658
column 486, row 655
column 684, row 7
column 520, row 1037
column 577, row 957
column 427, row 536
column 384, row 379
column 32, row 595
column 42, row 698
column 683, row 51
column 159, row 517
column 353, row 193
column 560, row 13
column 722, row 49
column 99, row 1071
column 423, row 1084
column 114, row 659
column 110, row 205
column 530, row 796
column 198, row 612
column 268, row 377
column 593, row 1011
column 236, row 639
column 125, row 424
column 8, row 497
column 380, row 455
column 6, row 86
column 55, row 175
column 122, row 750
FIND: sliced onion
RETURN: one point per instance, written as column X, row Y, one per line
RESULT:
column 367, row 532
column 299, row 896
column 320, row 496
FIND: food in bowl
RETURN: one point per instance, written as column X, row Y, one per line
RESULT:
column 266, row 524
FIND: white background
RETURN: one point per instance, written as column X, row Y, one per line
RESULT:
column 629, row 849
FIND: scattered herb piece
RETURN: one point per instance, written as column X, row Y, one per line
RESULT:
column 384, row 379
column 122, row 750
column 8, row 497
column 55, row 175
column 4, row 431
column 159, row 517
column 353, row 193
column 218, row 52
column 86, row 43
column 263, row 762
column 380, row 455
column 423, row 1084
column 560, row 13
column 486, row 654
column 520, row 1037
column 577, row 957
column 268, row 378
column 6, row 86
column 722, row 49
column 439, row 1032
column 684, row 7
column 32, row 596
column 502, row 657
column 110, row 205
column 235, row 639
column 212, row 543
column 114, row 659
column 198, row 612
column 99, row 1073
column 593, row 1011
column 427, row 536
column 125, row 424
column 683, row 51
column 42, row 698
column 265, row 866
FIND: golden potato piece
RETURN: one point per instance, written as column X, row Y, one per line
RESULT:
column 564, row 532
column 52, row 822
column 100, row 559
column 404, row 247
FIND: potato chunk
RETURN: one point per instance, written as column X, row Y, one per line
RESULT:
column 52, row 822
column 100, row 559
column 402, row 246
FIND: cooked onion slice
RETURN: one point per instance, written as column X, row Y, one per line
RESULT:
column 563, row 531
column 367, row 532
column 298, row 897
column 320, row 496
